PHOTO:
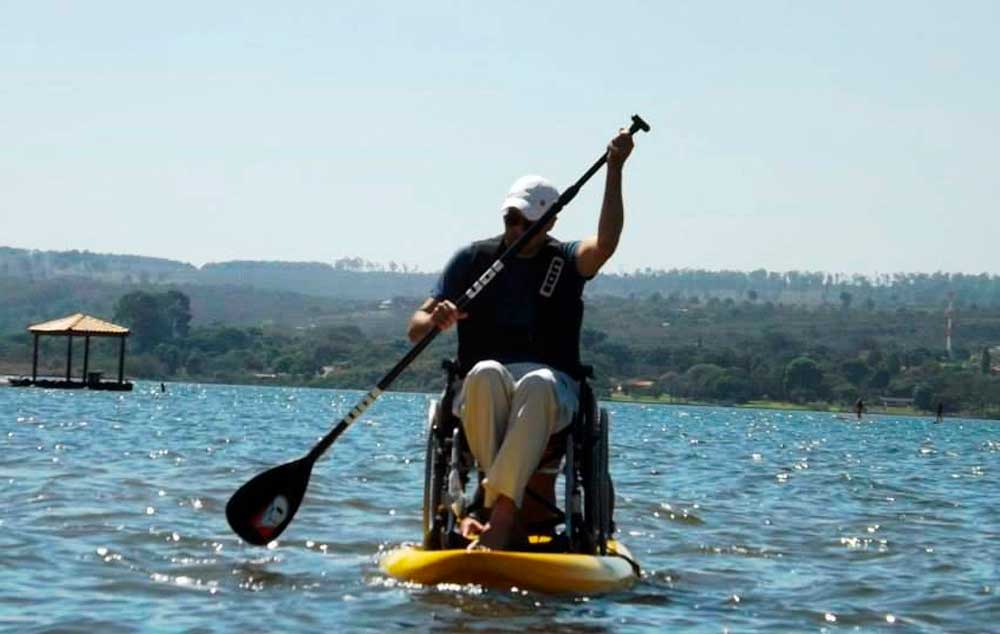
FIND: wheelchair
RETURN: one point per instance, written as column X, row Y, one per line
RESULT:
column 578, row 454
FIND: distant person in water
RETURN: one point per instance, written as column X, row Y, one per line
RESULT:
column 859, row 408
column 163, row 387
column 940, row 412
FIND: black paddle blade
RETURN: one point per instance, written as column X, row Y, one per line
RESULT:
column 261, row 509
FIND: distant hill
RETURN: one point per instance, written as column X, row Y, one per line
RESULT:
column 40, row 265
column 348, row 279
column 314, row 278
column 359, row 280
column 27, row 302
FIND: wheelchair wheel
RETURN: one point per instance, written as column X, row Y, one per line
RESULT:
column 596, row 482
column 602, row 484
column 579, row 503
column 572, row 508
column 434, row 475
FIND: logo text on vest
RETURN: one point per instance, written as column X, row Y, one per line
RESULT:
column 552, row 277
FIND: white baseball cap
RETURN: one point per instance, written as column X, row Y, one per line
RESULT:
column 532, row 196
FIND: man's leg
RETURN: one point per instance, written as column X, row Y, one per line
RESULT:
column 485, row 409
column 534, row 417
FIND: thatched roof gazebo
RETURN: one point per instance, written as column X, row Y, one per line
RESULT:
column 78, row 325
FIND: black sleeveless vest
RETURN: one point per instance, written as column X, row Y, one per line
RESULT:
column 557, row 292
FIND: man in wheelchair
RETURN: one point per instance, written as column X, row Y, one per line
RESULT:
column 579, row 453
column 518, row 345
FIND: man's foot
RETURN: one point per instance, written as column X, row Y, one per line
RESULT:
column 470, row 528
column 502, row 531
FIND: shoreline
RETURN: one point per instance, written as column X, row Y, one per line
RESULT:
column 818, row 408
column 830, row 408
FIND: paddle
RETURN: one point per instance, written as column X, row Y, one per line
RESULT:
column 263, row 507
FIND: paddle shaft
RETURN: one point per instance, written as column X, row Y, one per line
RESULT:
column 262, row 508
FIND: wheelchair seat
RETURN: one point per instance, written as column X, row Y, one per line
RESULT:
column 578, row 521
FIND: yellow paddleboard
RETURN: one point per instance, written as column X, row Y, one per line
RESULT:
column 504, row 569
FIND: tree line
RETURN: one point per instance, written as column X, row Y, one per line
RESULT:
column 715, row 351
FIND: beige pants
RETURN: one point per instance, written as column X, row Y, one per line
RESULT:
column 508, row 413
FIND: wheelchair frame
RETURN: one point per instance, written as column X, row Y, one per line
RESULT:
column 587, row 498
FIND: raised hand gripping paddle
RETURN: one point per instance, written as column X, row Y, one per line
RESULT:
column 263, row 507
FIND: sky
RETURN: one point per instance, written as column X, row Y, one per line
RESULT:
column 853, row 137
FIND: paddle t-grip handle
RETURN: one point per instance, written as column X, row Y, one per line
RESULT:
column 638, row 124
column 570, row 192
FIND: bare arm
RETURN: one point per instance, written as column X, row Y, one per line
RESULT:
column 594, row 251
column 432, row 314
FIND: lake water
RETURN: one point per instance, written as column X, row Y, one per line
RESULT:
column 112, row 520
